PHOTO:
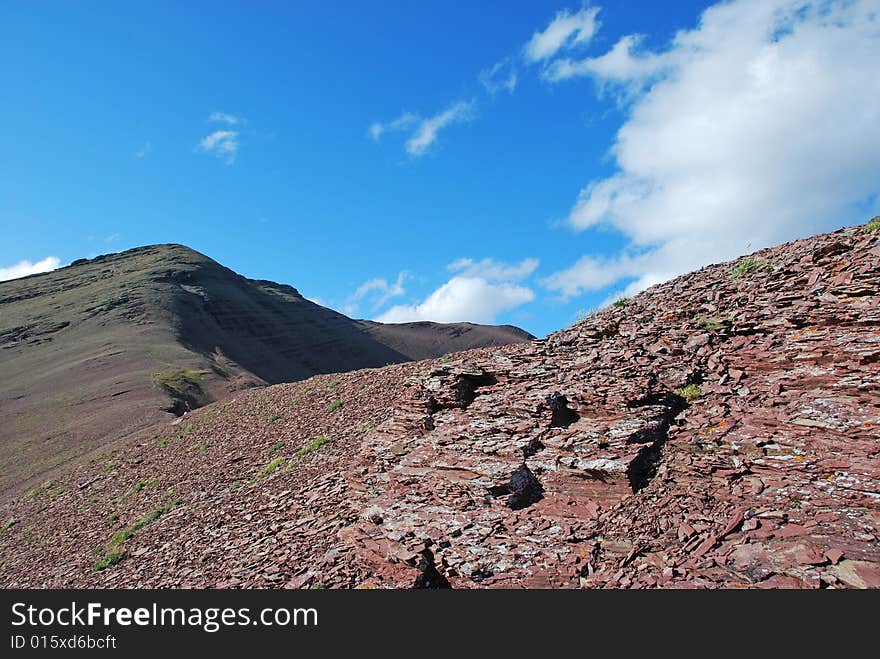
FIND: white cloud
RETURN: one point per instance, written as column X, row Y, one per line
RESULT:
column 224, row 118
column 760, row 125
column 565, row 31
column 25, row 268
column 402, row 122
column 624, row 63
column 143, row 151
column 501, row 76
column 381, row 290
column 477, row 293
column 424, row 131
column 221, row 143
column 492, row 270
column 462, row 299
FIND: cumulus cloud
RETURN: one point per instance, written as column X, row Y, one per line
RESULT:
column 479, row 291
column 25, row 268
column 461, row 299
column 566, row 30
column 760, row 125
column 424, row 131
column 502, row 76
column 224, row 118
column 221, row 143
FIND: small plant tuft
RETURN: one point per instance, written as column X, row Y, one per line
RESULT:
column 276, row 446
column 335, row 405
column 690, row 393
column 111, row 557
column 273, row 466
column 749, row 265
column 621, row 302
column 314, row 446
column 873, row 225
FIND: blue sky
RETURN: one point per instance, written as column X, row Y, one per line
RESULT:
column 492, row 162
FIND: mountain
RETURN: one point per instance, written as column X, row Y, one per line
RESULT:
column 106, row 347
column 717, row 430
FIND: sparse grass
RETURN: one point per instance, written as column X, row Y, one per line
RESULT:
column 115, row 550
column 690, row 393
column 273, row 418
column 122, row 535
column 314, row 446
column 749, row 265
column 276, row 446
column 34, row 492
column 138, row 487
column 621, row 302
column 713, row 325
column 234, row 485
column 204, row 446
column 111, row 557
column 273, row 466
column 113, row 517
column 873, row 225
column 110, row 466
column 50, row 488
column 178, row 380
column 334, row 384
column 10, row 523
column 335, row 405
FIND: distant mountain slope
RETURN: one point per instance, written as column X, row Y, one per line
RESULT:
column 105, row 347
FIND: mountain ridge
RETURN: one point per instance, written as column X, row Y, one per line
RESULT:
column 114, row 344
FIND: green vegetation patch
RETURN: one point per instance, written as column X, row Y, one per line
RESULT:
column 141, row 486
column 749, row 265
column 273, row 466
column 621, row 302
column 115, row 550
column 277, row 446
column 111, row 557
column 873, row 225
column 314, row 446
column 690, row 393
column 335, row 405
column 178, row 381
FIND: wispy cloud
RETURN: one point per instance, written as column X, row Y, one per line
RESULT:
column 376, row 292
column 502, row 76
column 221, row 143
column 759, row 126
column 404, row 121
column 427, row 131
column 224, row 118
column 144, row 150
column 492, row 270
column 566, row 30
column 423, row 132
column 25, row 268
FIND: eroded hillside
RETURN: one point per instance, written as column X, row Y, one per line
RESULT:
column 719, row 430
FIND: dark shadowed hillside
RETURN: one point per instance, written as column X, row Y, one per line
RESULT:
column 95, row 351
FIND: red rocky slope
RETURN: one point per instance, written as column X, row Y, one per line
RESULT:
column 715, row 431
